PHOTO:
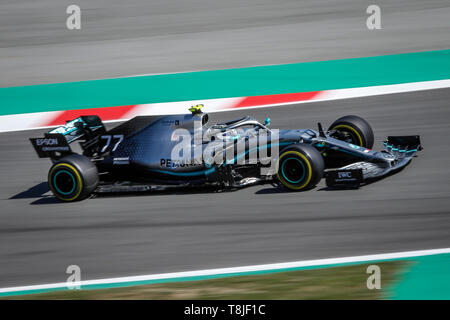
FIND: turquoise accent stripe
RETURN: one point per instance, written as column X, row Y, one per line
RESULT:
column 240, row 82
column 186, row 174
column 399, row 150
column 211, row 170
column 243, row 154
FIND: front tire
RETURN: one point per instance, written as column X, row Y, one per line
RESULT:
column 353, row 129
column 73, row 178
column 300, row 167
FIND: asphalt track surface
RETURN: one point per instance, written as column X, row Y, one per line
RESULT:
column 156, row 233
column 121, row 38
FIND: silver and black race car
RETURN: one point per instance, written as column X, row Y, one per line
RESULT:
column 180, row 151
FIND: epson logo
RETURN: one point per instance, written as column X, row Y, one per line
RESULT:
column 47, row 142
column 344, row 174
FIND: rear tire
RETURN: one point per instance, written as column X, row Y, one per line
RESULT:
column 300, row 167
column 73, row 178
column 355, row 129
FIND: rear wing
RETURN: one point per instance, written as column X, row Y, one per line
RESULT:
column 55, row 143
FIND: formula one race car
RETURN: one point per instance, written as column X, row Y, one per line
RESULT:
column 163, row 152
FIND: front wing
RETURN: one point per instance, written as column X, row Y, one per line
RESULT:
column 398, row 152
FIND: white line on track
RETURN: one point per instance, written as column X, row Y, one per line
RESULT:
column 236, row 271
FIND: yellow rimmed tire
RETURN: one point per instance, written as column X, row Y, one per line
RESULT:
column 73, row 178
column 353, row 129
column 300, row 167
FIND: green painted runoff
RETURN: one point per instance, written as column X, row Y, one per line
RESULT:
column 265, row 80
